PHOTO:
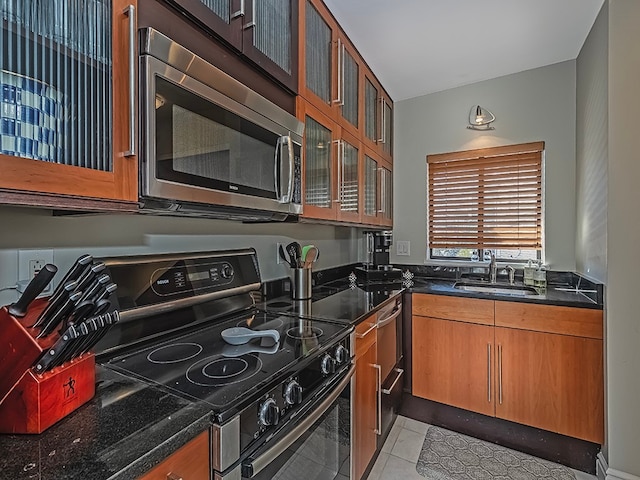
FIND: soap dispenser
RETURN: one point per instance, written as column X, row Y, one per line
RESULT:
column 528, row 273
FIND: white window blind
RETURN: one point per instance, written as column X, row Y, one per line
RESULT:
column 488, row 198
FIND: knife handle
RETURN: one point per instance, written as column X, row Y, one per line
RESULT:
column 59, row 315
column 74, row 272
column 35, row 288
column 55, row 301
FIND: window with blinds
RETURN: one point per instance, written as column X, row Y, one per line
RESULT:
column 486, row 200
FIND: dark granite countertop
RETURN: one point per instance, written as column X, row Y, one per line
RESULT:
column 558, row 294
column 124, row 431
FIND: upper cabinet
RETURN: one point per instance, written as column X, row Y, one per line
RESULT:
column 265, row 31
column 336, row 83
column 68, row 109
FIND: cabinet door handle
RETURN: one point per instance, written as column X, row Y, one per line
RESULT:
column 173, row 476
column 383, row 122
column 500, row 374
column 378, row 430
column 239, row 13
column 340, row 93
column 130, row 11
column 489, row 372
column 371, row 329
column 252, row 23
column 340, row 145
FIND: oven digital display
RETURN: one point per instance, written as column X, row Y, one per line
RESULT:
column 194, row 276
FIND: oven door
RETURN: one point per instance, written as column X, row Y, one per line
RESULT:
column 203, row 147
column 315, row 445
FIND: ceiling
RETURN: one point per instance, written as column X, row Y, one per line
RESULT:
column 417, row 47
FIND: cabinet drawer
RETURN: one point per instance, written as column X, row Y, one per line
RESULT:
column 472, row 310
column 191, row 462
column 579, row 322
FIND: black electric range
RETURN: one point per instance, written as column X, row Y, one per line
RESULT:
column 173, row 311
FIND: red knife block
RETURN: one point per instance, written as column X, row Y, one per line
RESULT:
column 30, row 403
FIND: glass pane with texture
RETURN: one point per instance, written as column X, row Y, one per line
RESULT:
column 55, row 79
column 220, row 7
column 370, row 111
column 317, row 164
column 318, row 54
column 349, row 185
column 272, row 33
column 370, row 186
column 350, row 107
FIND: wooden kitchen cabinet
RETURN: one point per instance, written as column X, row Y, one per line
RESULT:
column 366, row 428
column 540, row 365
column 377, row 208
column 95, row 174
column 455, row 363
column 550, row 381
column 264, row 31
column 191, row 462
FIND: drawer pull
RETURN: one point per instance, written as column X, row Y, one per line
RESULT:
column 371, row 329
column 400, row 372
column 173, row 476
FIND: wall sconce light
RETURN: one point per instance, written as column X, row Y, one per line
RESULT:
column 480, row 118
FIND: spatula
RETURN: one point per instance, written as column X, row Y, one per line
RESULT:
column 242, row 335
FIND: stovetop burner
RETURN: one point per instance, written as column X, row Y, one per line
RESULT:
column 176, row 352
column 200, row 365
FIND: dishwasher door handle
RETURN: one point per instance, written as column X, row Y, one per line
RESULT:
column 399, row 372
column 390, row 318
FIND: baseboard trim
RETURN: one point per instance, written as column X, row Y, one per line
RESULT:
column 613, row 474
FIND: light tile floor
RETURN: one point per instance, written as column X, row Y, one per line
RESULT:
column 399, row 455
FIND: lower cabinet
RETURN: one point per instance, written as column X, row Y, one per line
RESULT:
column 454, row 363
column 191, row 462
column 533, row 364
column 366, row 420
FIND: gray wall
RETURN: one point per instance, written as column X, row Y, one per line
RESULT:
column 529, row 106
column 105, row 235
column 623, row 239
column 592, row 144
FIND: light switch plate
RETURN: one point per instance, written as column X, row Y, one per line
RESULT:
column 403, row 247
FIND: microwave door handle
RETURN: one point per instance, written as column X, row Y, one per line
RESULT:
column 284, row 145
column 276, row 169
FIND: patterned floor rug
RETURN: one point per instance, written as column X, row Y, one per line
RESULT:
column 449, row 455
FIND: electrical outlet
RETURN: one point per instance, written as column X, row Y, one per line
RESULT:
column 30, row 262
column 403, row 247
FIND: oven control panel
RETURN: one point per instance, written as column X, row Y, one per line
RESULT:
column 188, row 278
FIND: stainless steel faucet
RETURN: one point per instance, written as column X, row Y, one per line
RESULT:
column 493, row 269
column 512, row 274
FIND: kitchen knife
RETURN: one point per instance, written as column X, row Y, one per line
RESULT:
column 89, row 274
column 74, row 348
column 35, row 288
column 105, row 322
column 51, row 355
column 96, row 287
column 101, row 307
column 73, row 273
column 94, row 325
column 55, row 303
column 106, row 293
column 60, row 314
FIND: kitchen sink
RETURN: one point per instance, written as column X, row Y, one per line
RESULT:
column 496, row 289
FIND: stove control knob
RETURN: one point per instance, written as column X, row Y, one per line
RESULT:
column 226, row 271
column 328, row 365
column 341, row 355
column 293, row 393
column 269, row 413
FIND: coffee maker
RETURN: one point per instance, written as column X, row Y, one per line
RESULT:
column 377, row 268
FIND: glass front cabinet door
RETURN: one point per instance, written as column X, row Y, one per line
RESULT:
column 68, row 107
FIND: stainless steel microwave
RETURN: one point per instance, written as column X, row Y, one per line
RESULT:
column 210, row 145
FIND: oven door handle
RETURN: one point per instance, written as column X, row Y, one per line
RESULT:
column 252, row 467
column 390, row 318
